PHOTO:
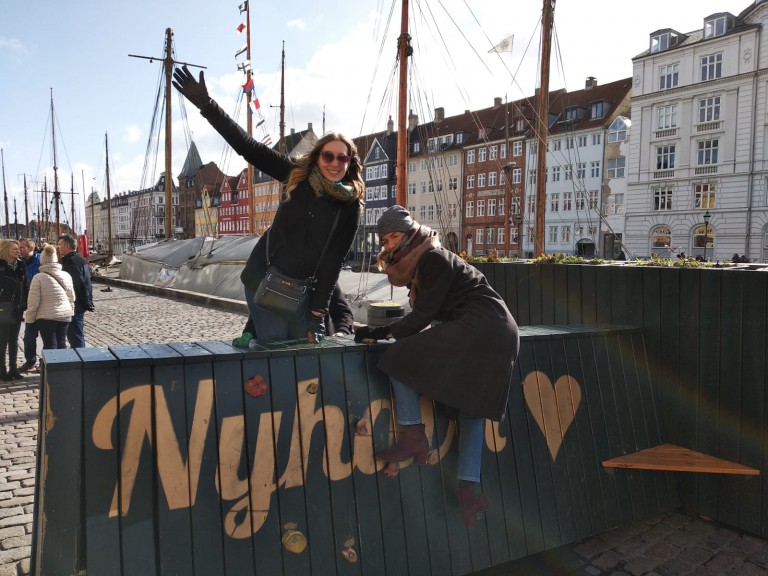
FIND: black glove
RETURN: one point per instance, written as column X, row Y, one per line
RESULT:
column 315, row 328
column 193, row 90
column 371, row 333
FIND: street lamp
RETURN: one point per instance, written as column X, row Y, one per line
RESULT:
column 707, row 218
column 519, row 222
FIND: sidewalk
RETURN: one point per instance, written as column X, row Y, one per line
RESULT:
column 667, row 545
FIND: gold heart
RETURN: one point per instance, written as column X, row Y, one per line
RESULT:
column 553, row 407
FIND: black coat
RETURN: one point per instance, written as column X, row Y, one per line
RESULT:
column 465, row 361
column 14, row 285
column 77, row 267
column 301, row 225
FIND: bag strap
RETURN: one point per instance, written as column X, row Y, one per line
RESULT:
column 57, row 280
column 325, row 248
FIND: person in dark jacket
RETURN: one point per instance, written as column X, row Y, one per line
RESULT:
column 77, row 267
column 14, row 287
column 31, row 259
column 318, row 186
column 338, row 322
column 464, row 361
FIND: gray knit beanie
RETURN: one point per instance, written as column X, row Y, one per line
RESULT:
column 395, row 219
column 48, row 255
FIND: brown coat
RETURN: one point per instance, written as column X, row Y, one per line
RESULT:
column 466, row 360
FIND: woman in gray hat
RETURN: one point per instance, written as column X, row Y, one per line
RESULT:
column 464, row 360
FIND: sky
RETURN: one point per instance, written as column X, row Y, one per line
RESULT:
column 340, row 73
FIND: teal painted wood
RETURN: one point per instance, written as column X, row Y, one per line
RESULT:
column 575, row 306
column 560, row 279
column 523, row 314
column 535, row 295
column 547, row 294
column 60, row 465
column 137, row 470
column 516, row 292
column 207, row 519
column 102, row 531
column 261, row 432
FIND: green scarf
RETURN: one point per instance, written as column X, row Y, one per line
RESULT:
column 336, row 190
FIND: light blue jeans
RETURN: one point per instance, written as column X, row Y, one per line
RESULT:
column 470, row 430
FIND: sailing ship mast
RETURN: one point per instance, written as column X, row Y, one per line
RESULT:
column 542, row 123
column 283, row 147
column 26, row 209
column 403, row 50
column 109, row 201
column 56, row 192
column 5, row 198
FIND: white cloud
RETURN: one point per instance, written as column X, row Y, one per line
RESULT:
column 132, row 133
column 298, row 24
column 14, row 45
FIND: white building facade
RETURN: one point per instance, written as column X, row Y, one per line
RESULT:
column 698, row 149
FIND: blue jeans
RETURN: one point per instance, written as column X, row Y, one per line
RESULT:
column 470, row 430
column 53, row 333
column 270, row 326
column 75, row 331
column 30, row 342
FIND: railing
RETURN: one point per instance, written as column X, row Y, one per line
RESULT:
column 702, row 170
column 660, row 174
column 709, row 126
column 665, row 133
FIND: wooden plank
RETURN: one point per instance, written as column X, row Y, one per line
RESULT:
column 261, row 430
column 560, row 279
column 365, row 403
column 520, row 294
column 102, row 464
column 618, row 300
column 534, row 294
column 678, row 459
column 233, row 458
column 491, row 478
column 137, row 462
column 547, row 278
column 603, row 293
column 575, row 313
column 60, row 534
column 588, row 295
column 206, row 512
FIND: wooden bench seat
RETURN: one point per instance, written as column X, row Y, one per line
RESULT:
column 678, row 459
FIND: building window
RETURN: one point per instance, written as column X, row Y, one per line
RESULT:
column 594, row 169
column 565, row 234
column 424, row 187
column 555, row 173
column 453, row 183
column 503, row 151
column 532, row 177
column 617, row 132
column 665, row 157
column 517, row 175
column 662, row 199
column 500, row 235
column 614, row 204
column 481, row 180
column 453, row 160
column 596, row 139
column 614, row 167
column 489, row 239
column 569, row 172
column 554, row 202
column 711, row 66
column 411, row 187
column 480, row 236
column 517, row 148
column 598, row 110
column 581, row 141
column 668, row 76
column 709, row 109
column 471, row 181
column 422, row 212
column 470, row 209
column 481, row 154
column 593, row 199
column 660, row 42
column 481, row 208
column 491, row 207
column 704, row 196
column 553, row 234
column 567, row 200
column 581, row 200
column 581, row 170
column 416, row 147
column 431, row 212
column 501, row 206
column 661, row 239
column 714, row 27
column 491, row 178
column 707, row 152
column 703, row 236
column 423, row 164
column 470, row 156
column 494, row 153
column 666, row 116
column 570, row 143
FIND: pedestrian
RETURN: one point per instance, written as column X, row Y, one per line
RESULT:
column 464, row 360
column 322, row 202
column 338, row 322
column 13, row 295
column 51, row 301
column 77, row 267
column 31, row 259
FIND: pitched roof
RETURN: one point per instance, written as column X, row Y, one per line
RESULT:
column 192, row 163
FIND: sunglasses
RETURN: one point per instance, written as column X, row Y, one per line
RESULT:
column 329, row 157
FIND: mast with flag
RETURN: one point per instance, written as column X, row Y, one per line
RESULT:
column 245, row 28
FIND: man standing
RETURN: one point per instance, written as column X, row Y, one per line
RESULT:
column 77, row 267
column 32, row 260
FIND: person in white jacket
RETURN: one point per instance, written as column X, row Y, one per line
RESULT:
column 51, row 301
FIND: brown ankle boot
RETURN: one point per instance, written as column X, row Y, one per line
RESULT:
column 411, row 443
column 471, row 505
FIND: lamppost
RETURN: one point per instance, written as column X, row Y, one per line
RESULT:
column 707, row 218
column 519, row 222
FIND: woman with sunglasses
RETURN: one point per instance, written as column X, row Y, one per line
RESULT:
column 318, row 185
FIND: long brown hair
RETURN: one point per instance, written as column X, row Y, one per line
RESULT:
column 305, row 164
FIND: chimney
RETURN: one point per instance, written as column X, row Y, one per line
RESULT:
column 390, row 126
column 590, row 83
column 309, row 127
column 440, row 113
column 413, row 121
column 497, row 102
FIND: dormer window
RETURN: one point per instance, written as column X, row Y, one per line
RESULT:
column 573, row 114
column 665, row 39
column 598, row 109
column 717, row 25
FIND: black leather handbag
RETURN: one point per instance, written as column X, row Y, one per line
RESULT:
column 285, row 296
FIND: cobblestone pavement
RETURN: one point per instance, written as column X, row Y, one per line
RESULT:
column 668, row 545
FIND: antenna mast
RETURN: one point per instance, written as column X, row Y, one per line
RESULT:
column 542, row 124
column 5, row 197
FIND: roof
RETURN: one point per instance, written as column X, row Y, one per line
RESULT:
column 616, row 94
column 192, row 163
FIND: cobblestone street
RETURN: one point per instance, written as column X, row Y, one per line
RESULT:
column 668, row 545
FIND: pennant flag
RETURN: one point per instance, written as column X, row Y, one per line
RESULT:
column 267, row 140
column 243, row 49
column 248, row 86
column 254, row 105
column 260, row 122
column 504, row 46
column 241, row 28
column 243, row 7
column 245, row 66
